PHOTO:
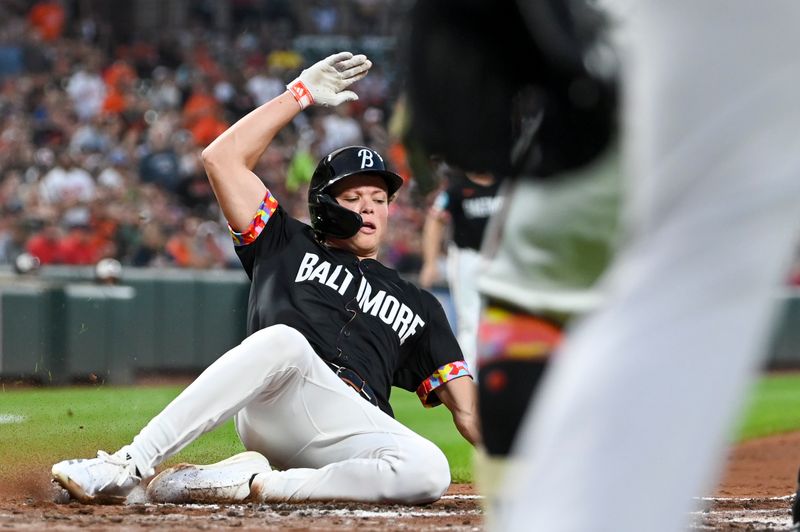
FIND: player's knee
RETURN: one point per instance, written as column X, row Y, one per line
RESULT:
column 422, row 477
column 279, row 345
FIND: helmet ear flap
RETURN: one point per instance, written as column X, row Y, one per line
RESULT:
column 326, row 213
column 331, row 219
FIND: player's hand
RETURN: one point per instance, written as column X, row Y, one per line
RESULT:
column 324, row 82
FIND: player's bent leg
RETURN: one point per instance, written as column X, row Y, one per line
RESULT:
column 333, row 444
column 265, row 363
column 413, row 471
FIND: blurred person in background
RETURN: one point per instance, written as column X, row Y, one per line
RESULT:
column 465, row 205
column 10, row 191
column 163, row 93
column 264, row 84
column 115, row 175
column 160, row 164
column 68, row 187
column 86, row 88
column 81, row 245
column 190, row 247
column 91, row 136
column 193, row 191
column 13, row 236
column 45, row 243
column 48, row 18
column 120, row 79
column 150, row 250
column 203, row 114
column 339, row 128
column 374, row 129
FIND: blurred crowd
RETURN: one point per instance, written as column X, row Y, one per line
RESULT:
column 100, row 137
column 100, row 141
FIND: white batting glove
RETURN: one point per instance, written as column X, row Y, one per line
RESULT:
column 324, row 82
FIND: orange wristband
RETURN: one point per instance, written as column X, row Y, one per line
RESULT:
column 300, row 93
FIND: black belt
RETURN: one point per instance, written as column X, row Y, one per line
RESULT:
column 354, row 380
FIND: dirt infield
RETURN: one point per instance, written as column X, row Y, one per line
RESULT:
column 757, row 489
column 458, row 510
column 755, row 494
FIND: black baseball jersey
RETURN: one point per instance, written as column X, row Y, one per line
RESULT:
column 354, row 313
column 469, row 205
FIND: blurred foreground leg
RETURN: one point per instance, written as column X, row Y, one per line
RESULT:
column 632, row 418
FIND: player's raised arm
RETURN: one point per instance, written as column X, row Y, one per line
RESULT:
column 230, row 159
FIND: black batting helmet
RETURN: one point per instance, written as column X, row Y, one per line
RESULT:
column 327, row 216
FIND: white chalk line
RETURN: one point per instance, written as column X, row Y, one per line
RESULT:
column 745, row 499
column 726, row 512
column 344, row 512
column 742, row 516
column 706, row 499
column 392, row 514
column 9, row 419
column 752, row 517
column 143, row 500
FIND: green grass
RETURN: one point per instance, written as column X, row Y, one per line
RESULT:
column 773, row 408
column 75, row 422
column 436, row 424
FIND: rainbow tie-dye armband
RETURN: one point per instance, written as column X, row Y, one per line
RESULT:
column 446, row 373
column 268, row 206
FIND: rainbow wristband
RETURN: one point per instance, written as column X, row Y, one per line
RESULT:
column 446, row 373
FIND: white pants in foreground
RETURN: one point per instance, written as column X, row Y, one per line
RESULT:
column 293, row 409
column 633, row 418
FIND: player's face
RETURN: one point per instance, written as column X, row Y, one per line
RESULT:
column 367, row 195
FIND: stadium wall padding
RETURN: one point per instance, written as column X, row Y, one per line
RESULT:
column 60, row 328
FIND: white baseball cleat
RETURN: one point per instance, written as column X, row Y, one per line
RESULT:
column 107, row 479
column 224, row 482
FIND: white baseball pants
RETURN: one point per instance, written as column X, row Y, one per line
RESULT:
column 463, row 266
column 633, row 419
column 293, row 409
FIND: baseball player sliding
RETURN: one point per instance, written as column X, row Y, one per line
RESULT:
column 330, row 328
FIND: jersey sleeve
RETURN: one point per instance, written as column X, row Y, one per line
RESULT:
column 265, row 211
column 436, row 357
column 267, row 233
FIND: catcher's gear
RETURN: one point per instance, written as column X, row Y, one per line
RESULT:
column 511, row 87
column 327, row 216
column 324, row 82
